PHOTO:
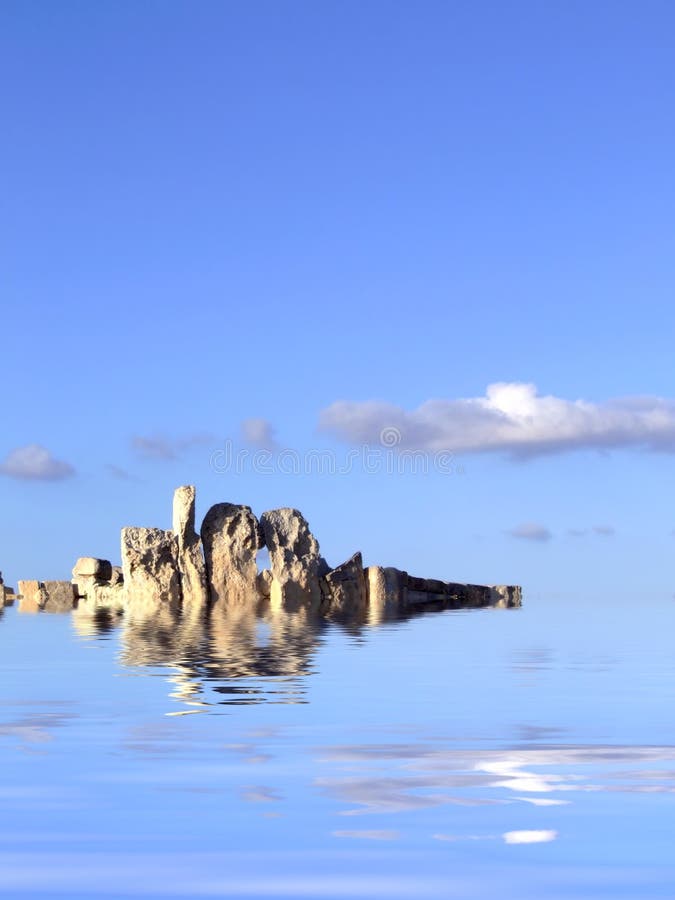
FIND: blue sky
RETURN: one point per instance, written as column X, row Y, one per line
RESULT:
column 214, row 213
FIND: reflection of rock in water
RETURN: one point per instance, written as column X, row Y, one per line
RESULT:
column 243, row 657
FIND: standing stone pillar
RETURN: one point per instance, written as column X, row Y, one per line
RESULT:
column 191, row 563
column 295, row 561
column 150, row 568
column 231, row 537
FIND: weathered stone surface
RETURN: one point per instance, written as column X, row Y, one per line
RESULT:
column 57, row 596
column 150, row 567
column 89, row 573
column 116, row 576
column 428, row 585
column 191, row 564
column 345, row 594
column 90, row 567
column 231, row 538
column 387, row 593
column 295, row 560
column 29, row 590
column 29, row 594
column 265, row 583
column 506, row 596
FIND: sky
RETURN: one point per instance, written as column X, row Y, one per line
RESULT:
column 424, row 247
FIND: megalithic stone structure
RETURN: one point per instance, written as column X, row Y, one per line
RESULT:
column 150, row 568
column 191, row 564
column 295, row 560
column 176, row 571
column 231, row 537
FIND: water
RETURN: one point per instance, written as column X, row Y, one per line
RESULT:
column 491, row 753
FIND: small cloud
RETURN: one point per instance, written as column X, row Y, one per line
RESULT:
column 259, row 433
column 35, row 463
column 531, row 531
column 576, row 532
column 160, row 447
column 118, row 472
column 258, row 794
column 529, row 837
column 604, row 530
column 543, row 801
column 372, row 835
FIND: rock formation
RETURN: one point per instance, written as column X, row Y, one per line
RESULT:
column 190, row 558
column 7, row 595
column 98, row 585
column 386, row 594
column 150, row 567
column 295, row 561
column 345, row 591
column 231, row 537
column 176, row 572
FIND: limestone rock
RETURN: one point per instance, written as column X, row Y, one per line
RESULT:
column 506, row 596
column 387, row 593
column 150, row 567
column 265, row 583
column 90, row 567
column 345, row 595
column 89, row 573
column 191, row 564
column 231, row 537
column 29, row 590
column 116, row 576
column 294, row 559
column 57, row 596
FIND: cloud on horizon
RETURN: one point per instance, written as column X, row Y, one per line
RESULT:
column 511, row 418
column 35, row 463
column 161, row 447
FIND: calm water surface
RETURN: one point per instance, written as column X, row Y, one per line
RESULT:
column 491, row 753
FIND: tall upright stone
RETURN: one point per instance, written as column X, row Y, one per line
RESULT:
column 295, row 560
column 231, row 537
column 191, row 563
column 150, row 568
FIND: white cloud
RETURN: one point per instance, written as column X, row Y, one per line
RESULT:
column 529, row 837
column 510, row 418
column 531, row 531
column 604, row 530
column 259, row 433
column 35, row 463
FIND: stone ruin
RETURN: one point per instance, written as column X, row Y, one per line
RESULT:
column 189, row 572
